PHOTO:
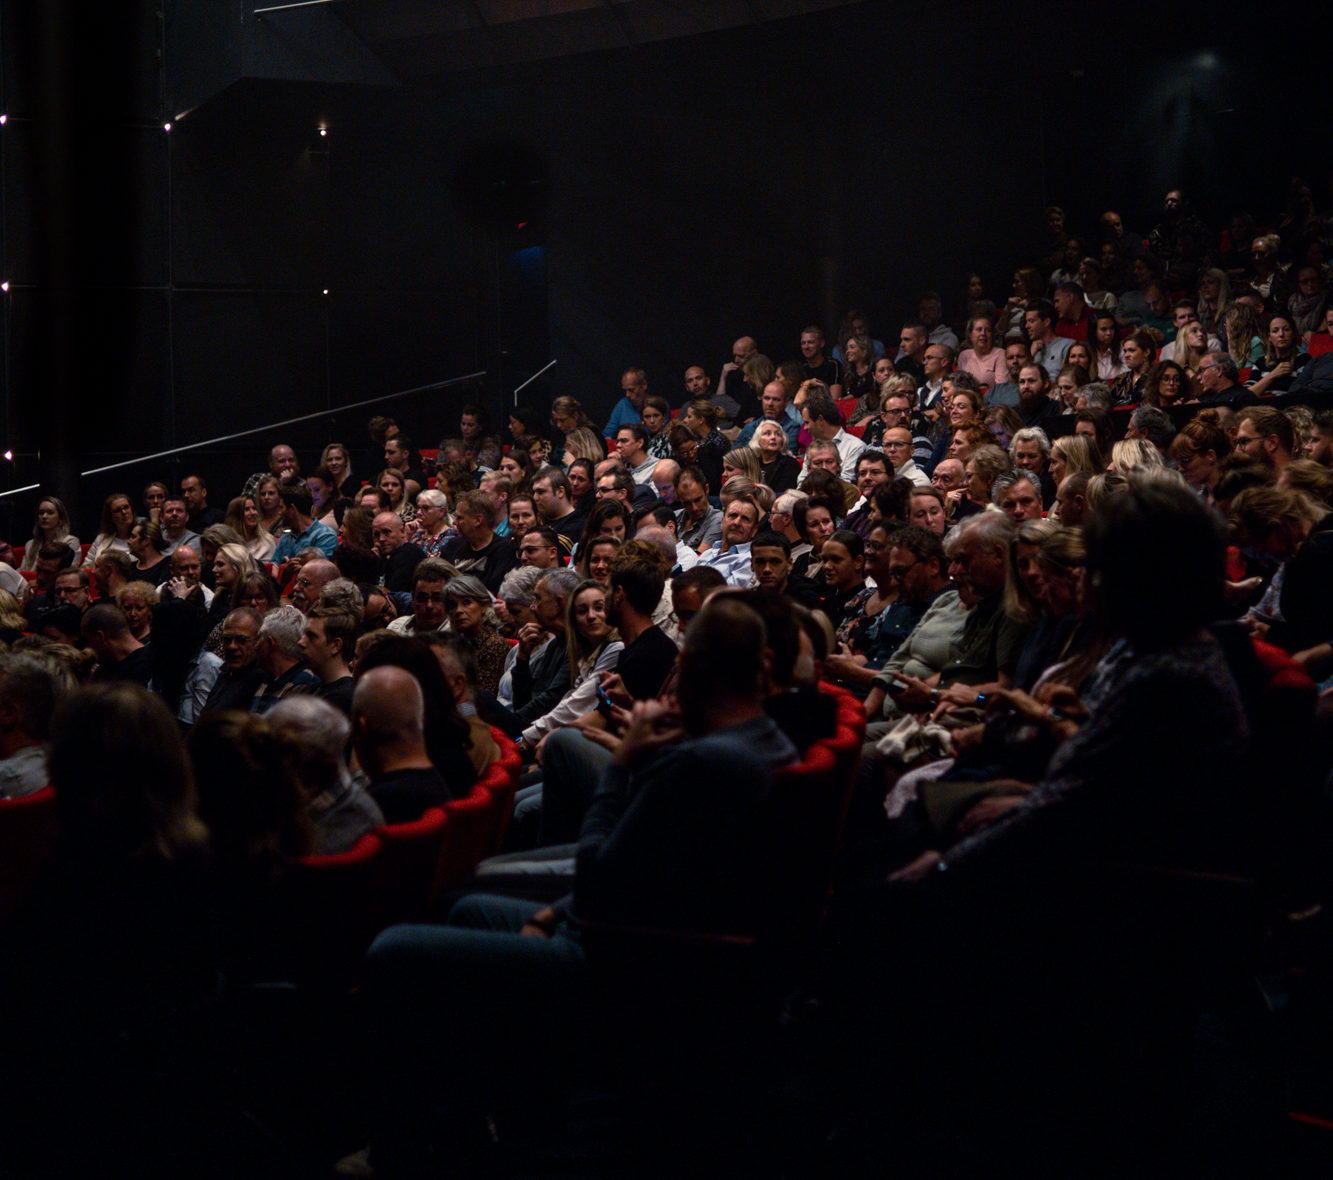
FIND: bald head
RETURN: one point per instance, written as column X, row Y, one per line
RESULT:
column 388, row 721
column 664, row 479
column 388, row 533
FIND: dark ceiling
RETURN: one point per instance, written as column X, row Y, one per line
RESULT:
column 417, row 40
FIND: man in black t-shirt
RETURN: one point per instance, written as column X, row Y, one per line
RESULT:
column 399, row 557
column 638, row 577
column 119, row 655
column 477, row 550
column 816, row 364
column 388, row 734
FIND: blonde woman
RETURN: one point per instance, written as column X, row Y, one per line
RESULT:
column 51, row 527
column 243, row 516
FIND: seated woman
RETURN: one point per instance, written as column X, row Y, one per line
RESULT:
column 137, row 600
column 710, row 444
column 114, row 530
column 51, row 526
column 243, row 517
column 468, row 604
column 390, row 481
column 1103, row 332
column 583, row 442
column 815, row 519
column 607, row 518
column 983, row 467
column 270, row 506
column 864, row 643
column 1199, row 450
column 740, row 461
column 982, row 358
column 232, row 564
column 1074, row 452
column 150, row 563
column 1068, row 381
column 516, row 466
column 927, row 510
column 779, row 470
column 1283, row 358
column 594, row 560
column 858, row 379
column 338, row 461
column 1297, row 531
column 593, row 647
column 1168, row 385
column 656, row 415
column 1137, row 351
column 843, row 560
column 432, row 529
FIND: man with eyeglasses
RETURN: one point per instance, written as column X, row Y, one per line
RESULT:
column 899, row 447
column 428, row 582
column 1219, row 379
column 235, row 685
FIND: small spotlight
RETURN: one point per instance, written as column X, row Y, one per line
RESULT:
column 323, row 131
column 326, row 290
column 9, row 456
column 3, row 120
column 166, row 127
column 4, row 286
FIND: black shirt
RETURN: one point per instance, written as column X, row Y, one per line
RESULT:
column 405, row 794
column 137, row 666
column 338, row 693
column 490, row 564
column 399, row 565
column 644, row 664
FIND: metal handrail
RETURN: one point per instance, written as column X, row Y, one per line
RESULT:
column 212, row 442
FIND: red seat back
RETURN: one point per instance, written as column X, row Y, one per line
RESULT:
column 27, row 839
column 407, row 864
column 504, row 785
column 467, row 838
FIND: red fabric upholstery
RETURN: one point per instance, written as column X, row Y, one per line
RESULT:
column 27, row 838
column 502, row 781
column 407, row 864
column 467, row 838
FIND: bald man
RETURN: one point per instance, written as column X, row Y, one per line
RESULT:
column 389, row 736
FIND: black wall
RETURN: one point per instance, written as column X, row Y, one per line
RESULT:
column 741, row 182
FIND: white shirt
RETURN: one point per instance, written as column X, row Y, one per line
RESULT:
column 849, row 450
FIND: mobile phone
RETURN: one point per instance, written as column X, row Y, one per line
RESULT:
column 603, row 702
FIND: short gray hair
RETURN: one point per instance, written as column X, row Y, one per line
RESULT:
column 786, row 503
column 993, row 529
column 560, row 583
column 468, row 587
column 341, row 595
column 1031, row 434
column 1004, row 482
column 519, row 584
column 314, row 726
column 1097, row 395
column 432, row 498
column 285, row 625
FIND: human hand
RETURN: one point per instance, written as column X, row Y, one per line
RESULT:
column 968, row 737
column 542, row 924
column 1242, row 590
column 1281, row 369
column 652, row 725
column 178, row 587
column 530, row 636
column 915, row 696
column 615, row 689
column 918, row 870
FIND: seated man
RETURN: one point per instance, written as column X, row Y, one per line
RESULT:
column 388, row 735
column 477, row 549
column 670, row 840
column 278, row 656
column 399, row 558
column 731, row 555
column 316, row 734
